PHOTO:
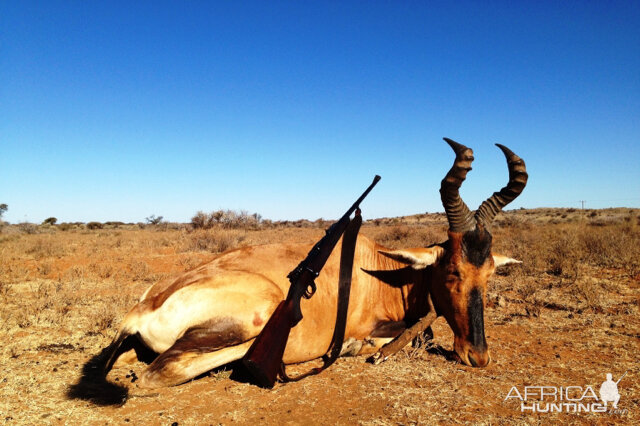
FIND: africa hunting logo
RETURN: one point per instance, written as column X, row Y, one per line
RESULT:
column 569, row 399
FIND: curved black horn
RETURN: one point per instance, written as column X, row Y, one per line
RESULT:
column 517, row 181
column 458, row 214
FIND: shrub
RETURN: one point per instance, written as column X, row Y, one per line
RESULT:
column 140, row 271
column 228, row 219
column 201, row 220
column 406, row 236
column 397, row 233
column 28, row 228
column 561, row 250
column 154, row 220
column 214, row 241
column 321, row 223
column 50, row 221
column 65, row 226
column 114, row 224
column 562, row 256
column 94, row 225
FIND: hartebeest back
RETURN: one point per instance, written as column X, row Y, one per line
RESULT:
column 209, row 316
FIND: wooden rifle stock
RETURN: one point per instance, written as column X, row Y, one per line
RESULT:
column 264, row 357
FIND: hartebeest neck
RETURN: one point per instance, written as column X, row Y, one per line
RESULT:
column 402, row 290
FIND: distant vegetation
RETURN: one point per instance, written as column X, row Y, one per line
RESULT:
column 423, row 227
column 50, row 221
column 154, row 220
column 3, row 208
column 227, row 219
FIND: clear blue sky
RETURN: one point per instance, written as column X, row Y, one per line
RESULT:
column 119, row 110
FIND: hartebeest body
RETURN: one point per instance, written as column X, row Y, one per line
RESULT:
column 210, row 316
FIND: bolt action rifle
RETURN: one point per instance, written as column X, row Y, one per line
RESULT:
column 264, row 357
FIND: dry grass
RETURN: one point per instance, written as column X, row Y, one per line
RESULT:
column 562, row 318
column 213, row 240
column 408, row 235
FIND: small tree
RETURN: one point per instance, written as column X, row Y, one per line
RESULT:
column 200, row 220
column 50, row 221
column 3, row 208
column 154, row 220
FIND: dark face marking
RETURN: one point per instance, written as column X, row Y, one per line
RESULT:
column 458, row 289
column 476, row 320
column 476, row 246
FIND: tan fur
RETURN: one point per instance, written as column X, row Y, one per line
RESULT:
column 188, row 365
column 246, row 285
column 208, row 316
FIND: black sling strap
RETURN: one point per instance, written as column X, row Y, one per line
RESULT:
column 344, row 290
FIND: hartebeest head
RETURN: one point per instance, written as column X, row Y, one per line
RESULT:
column 462, row 265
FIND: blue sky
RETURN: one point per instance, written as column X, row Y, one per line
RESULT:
column 120, row 110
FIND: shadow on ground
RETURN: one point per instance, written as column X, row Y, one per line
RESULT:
column 94, row 387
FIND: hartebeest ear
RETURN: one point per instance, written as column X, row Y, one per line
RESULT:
column 418, row 258
column 500, row 260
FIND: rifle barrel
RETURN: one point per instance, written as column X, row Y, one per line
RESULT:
column 355, row 205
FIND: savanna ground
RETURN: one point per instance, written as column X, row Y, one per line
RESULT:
column 565, row 317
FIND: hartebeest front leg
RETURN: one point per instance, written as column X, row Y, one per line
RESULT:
column 384, row 333
column 407, row 335
column 401, row 341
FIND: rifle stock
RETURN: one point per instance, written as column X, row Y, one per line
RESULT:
column 264, row 357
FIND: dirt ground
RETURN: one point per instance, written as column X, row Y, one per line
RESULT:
column 565, row 318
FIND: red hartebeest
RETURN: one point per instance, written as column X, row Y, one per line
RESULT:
column 210, row 315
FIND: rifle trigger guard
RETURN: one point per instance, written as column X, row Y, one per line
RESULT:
column 310, row 291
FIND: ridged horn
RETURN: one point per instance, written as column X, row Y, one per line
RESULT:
column 517, row 181
column 458, row 214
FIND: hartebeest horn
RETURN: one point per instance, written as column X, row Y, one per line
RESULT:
column 517, row 181
column 460, row 217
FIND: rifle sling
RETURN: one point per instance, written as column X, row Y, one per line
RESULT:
column 344, row 290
